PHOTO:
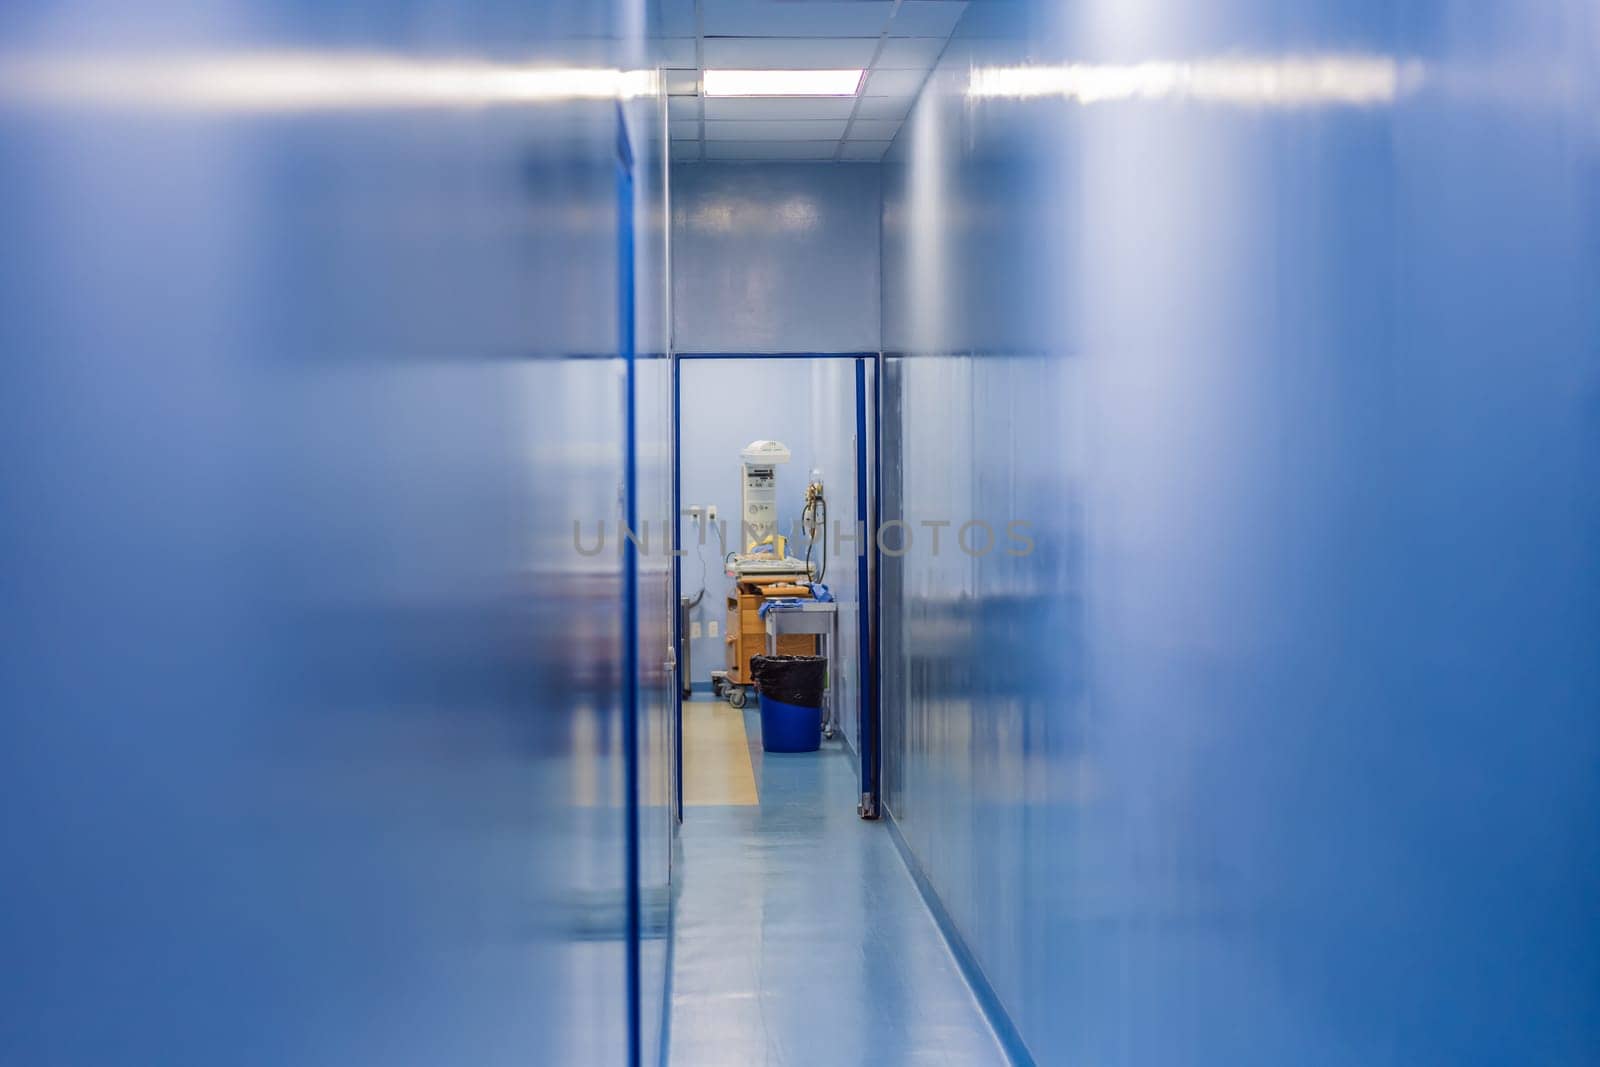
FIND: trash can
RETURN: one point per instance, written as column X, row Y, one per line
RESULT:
column 791, row 701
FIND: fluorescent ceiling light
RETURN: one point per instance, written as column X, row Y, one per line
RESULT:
column 782, row 82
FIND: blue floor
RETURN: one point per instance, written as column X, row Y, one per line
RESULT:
column 801, row 938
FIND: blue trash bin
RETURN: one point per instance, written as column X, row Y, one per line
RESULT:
column 791, row 689
column 789, row 727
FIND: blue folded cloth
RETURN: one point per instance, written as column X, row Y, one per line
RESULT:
column 821, row 593
column 780, row 603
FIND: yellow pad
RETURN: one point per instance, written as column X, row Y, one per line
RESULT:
column 716, row 756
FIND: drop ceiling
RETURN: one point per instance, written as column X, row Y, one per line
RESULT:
column 896, row 42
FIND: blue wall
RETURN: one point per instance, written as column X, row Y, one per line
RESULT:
column 312, row 742
column 779, row 258
column 1282, row 746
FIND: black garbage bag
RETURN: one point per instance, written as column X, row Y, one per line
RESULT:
column 797, row 680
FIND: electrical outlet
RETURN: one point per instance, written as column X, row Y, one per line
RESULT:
column 694, row 630
column 711, row 513
column 711, row 628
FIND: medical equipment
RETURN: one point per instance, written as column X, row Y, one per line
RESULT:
column 814, row 523
column 737, row 566
column 758, row 497
column 765, row 549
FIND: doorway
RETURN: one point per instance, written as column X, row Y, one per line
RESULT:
column 820, row 406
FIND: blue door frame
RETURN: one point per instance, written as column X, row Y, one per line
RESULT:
column 869, row 712
column 871, row 722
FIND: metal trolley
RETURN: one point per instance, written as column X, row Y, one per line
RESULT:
column 809, row 617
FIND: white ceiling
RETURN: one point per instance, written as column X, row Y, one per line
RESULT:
column 896, row 41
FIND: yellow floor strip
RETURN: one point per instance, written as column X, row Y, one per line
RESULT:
column 716, row 756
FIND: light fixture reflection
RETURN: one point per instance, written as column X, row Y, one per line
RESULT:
column 1279, row 82
column 307, row 81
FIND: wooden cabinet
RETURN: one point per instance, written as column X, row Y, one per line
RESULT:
column 747, row 635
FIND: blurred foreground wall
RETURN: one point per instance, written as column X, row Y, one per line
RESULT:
column 1279, row 323
column 311, row 735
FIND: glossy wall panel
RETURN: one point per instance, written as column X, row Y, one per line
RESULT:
column 775, row 257
column 310, row 719
column 1279, row 324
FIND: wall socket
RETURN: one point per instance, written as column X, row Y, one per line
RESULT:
column 694, row 630
column 711, row 628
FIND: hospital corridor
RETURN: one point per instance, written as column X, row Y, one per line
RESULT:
column 804, row 533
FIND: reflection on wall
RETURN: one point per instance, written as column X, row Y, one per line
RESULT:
column 1280, row 747
column 775, row 258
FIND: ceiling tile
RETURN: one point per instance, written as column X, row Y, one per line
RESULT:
column 884, row 107
column 926, row 18
column 909, row 53
column 683, row 129
column 788, row 53
column 894, row 82
column 863, row 151
column 753, row 150
column 675, row 52
column 680, row 82
column 683, row 107
column 821, row 130
column 785, row 18
column 832, row 107
column 874, row 129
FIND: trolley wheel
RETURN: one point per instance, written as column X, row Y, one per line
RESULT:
column 736, row 696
